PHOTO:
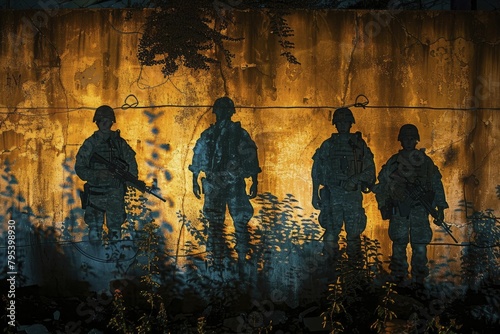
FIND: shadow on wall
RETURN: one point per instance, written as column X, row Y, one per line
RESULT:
column 57, row 256
column 284, row 273
column 141, row 282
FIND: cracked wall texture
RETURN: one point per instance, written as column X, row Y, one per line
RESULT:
column 57, row 66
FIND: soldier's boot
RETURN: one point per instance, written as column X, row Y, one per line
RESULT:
column 418, row 284
column 400, row 280
column 242, row 265
column 419, row 269
column 331, row 251
column 95, row 234
column 399, row 265
column 216, row 250
column 242, row 248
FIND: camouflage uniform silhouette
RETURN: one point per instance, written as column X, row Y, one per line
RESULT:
column 408, row 220
column 227, row 155
column 343, row 167
column 106, row 193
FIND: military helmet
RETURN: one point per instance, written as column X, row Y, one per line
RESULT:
column 342, row 114
column 224, row 105
column 408, row 130
column 104, row 112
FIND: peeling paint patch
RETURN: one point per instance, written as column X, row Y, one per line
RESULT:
column 10, row 141
column 91, row 75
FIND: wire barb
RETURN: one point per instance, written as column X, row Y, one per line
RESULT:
column 361, row 104
column 127, row 105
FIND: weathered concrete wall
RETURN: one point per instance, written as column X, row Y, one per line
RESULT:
column 424, row 68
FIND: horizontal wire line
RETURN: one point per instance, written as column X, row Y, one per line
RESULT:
column 69, row 110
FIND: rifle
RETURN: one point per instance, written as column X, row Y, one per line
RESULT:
column 418, row 193
column 119, row 169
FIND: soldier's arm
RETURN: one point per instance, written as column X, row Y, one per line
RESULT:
column 437, row 187
column 316, row 200
column 129, row 158
column 382, row 189
column 196, row 185
column 368, row 175
column 439, row 195
column 247, row 149
column 82, row 164
column 199, row 163
column 201, row 150
column 254, row 187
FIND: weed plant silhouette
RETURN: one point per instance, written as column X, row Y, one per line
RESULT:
column 372, row 264
column 206, row 255
column 353, row 294
column 17, row 209
column 480, row 259
column 73, row 222
column 481, row 272
column 283, row 244
column 197, row 258
column 475, row 306
column 212, row 279
column 120, row 320
column 280, row 256
column 154, row 320
column 12, row 201
column 156, row 268
column 153, row 316
column 383, row 310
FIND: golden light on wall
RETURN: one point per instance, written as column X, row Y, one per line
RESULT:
column 410, row 70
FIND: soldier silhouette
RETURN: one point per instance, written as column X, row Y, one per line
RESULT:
column 227, row 156
column 343, row 168
column 104, row 193
column 407, row 172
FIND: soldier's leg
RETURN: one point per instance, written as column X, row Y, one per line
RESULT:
column 355, row 224
column 420, row 237
column 331, row 218
column 241, row 211
column 94, row 219
column 214, row 210
column 115, row 213
column 399, row 234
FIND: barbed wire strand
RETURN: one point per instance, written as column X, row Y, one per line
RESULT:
column 135, row 105
column 202, row 106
